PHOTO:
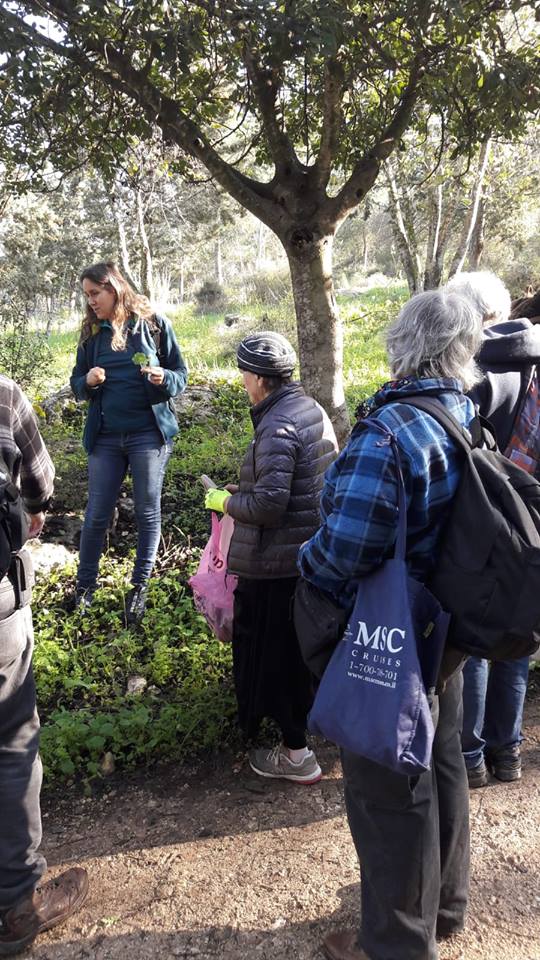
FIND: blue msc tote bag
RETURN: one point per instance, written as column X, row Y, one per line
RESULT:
column 374, row 696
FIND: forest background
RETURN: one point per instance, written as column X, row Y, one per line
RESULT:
column 451, row 182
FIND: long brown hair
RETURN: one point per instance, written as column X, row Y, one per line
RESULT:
column 128, row 303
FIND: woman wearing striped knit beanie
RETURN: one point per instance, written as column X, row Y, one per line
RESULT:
column 275, row 509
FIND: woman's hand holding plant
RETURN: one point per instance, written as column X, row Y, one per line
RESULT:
column 156, row 375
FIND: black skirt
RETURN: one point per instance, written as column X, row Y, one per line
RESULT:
column 270, row 677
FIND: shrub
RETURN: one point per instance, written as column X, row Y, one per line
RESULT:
column 268, row 287
column 210, row 296
column 25, row 354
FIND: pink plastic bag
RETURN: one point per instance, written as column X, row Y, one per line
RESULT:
column 213, row 588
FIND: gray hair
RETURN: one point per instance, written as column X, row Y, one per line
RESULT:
column 436, row 334
column 488, row 294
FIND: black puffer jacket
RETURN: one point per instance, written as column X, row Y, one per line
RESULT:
column 277, row 506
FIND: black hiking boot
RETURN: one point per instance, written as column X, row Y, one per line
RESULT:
column 136, row 604
column 505, row 764
column 79, row 601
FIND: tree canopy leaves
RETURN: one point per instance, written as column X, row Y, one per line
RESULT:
column 316, row 89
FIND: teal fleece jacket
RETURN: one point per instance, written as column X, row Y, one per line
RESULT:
column 169, row 358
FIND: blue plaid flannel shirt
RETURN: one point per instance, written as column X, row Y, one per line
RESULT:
column 359, row 500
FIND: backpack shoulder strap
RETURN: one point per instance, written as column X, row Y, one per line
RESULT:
column 438, row 411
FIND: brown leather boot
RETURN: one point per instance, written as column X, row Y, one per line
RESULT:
column 49, row 904
column 342, row 945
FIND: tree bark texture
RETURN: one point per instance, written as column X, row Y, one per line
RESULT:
column 404, row 235
column 320, row 335
column 147, row 275
column 477, row 241
column 435, row 249
column 468, row 227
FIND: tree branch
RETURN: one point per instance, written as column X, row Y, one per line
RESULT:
column 160, row 109
column 362, row 25
column 366, row 170
column 334, row 85
column 266, row 88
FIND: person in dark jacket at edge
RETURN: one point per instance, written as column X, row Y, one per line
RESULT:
column 494, row 696
column 411, row 833
column 275, row 508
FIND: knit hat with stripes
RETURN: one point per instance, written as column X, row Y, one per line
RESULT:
column 268, row 354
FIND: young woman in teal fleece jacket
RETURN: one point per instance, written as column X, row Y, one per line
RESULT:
column 130, row 422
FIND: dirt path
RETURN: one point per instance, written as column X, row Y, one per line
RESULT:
column 212, row 863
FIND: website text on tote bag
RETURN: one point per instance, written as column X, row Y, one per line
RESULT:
column 374, row 696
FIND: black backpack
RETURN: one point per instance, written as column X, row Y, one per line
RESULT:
column 487, row 572
column 13, row 520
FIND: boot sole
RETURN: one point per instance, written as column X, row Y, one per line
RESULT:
column 507, row 777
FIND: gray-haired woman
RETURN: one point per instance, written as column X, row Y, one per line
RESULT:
column 411, row 834
column 275, row 508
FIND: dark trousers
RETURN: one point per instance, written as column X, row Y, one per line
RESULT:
column 21, row 865
column 412, row 839
column 146, row 455
column 270, row 677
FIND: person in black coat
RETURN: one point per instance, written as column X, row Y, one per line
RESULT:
column 494, row 696
column 275, row 509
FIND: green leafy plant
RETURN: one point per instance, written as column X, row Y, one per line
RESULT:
column 140, row 360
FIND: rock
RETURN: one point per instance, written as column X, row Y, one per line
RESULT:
column 64, row 527
column 45, row 556
column 195, row 404
column 136, row 685
column 56, row 403
column 107, row 764
column 126, row 508
column 164, row 891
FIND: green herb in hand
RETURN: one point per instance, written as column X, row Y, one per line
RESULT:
column 140, row 360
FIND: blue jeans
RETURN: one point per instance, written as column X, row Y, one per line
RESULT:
column 493, row 700
column 146, row 455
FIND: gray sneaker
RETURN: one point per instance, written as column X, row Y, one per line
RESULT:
column 276, row 764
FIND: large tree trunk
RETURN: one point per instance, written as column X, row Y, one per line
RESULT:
column 320, row 335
